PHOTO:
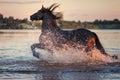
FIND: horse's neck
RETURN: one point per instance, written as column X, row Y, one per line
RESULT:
column 49, row 24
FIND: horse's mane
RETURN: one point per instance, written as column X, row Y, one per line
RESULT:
column 50, row 9
column 53, row 7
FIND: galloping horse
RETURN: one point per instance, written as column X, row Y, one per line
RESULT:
column 52, row 36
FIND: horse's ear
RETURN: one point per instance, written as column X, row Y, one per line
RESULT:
column 43, row 7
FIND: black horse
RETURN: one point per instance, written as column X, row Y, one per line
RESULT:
column 53, row 37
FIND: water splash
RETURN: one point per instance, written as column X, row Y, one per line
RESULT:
column 73, row 55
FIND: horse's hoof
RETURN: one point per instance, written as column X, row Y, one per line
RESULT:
column 35, row 54
column 115, row 57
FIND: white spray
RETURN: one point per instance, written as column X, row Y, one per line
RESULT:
column 72, row 55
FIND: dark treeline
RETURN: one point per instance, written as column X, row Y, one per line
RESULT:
column 12, row 23
column 97, row 24
column 107, row 24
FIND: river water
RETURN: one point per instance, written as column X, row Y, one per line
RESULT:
column 18, row 63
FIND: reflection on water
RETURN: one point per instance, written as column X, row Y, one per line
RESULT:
column 17, row 62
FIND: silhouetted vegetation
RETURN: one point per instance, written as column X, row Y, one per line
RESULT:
column 12, row 23
column 74, row 25
column 107, row 24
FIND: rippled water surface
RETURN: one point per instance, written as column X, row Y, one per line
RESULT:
column 17, row 62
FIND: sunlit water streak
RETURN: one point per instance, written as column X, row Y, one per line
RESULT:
column 18, row 63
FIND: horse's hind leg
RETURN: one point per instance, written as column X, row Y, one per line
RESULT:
column 90, row 45
column 33, row 46
column 91, row 42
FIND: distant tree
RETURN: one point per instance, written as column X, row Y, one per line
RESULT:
column 1, row 26
column 96, row 21
column 79, row 22
column 25, row 20
column 10, row 22
column 1, row 18
column 11, row 18
column 116, row 21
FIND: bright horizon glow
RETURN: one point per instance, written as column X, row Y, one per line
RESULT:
column 83, row 10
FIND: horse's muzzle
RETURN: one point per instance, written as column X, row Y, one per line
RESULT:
column 31, row 18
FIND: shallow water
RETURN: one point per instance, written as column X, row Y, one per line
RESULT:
column 17, row 62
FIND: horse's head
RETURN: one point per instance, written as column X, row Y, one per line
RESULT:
column 44, row 13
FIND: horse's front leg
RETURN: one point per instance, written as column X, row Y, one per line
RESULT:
column 33, row 46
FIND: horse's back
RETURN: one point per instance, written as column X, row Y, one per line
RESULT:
column 77, row 35
column 83, row 33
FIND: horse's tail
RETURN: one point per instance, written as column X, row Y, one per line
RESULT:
column 101, row 48
column 99, row 45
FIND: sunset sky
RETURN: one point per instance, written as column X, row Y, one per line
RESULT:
column 83, row 10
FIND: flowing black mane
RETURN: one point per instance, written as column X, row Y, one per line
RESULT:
column 52, row 37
